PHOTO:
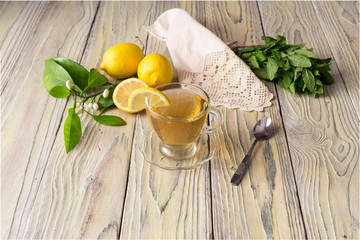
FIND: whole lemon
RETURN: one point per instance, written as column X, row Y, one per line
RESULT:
column 121, row 61
column 155, row 69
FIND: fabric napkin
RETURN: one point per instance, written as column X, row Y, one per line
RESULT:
column 201, row 58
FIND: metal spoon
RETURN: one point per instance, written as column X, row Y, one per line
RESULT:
column 263, row 129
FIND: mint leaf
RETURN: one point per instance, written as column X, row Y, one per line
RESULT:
column 261, row 73
column 286, row 65
column 291, row 48
column 292, row 88
column 260, row 56
column 268, row 39
column 276, row 54
column 308, row 79
column 72, row 130
column 306, row 53
column 78, row 73
column 328, row 79
column 252, row 62
column 245, row 56
column 287, row 79
column 318, row 90
column 271, row 68
column 299, row 61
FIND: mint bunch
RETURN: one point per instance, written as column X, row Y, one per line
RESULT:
column 63, row 78
column 290, row 66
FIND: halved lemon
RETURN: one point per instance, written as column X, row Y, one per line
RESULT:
column 123, row 91
column 156, row 98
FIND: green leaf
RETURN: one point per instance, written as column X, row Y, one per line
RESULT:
column 245, row 50
column 318, row 90
column 271, row 68
column 59, row 92
column 299, row 61
column 318, row 82
column 246, row 55
column 306, row 53
column 72, row 130
column 316, row 72
column 287, row 78
column 55, row 75
column 292, row 88
column 95, row 79
column 268, row 39
column 261, row 73
column 105, row 103
column 252, row 62
column 328, row 79
column 286, row 65
column 291, row 48
column 276, row 55
column 297, row 73
column 260, row 56
column 322, row 64
column 308, row 79
column 280, row 40
column 77, row 72
column 109, row 120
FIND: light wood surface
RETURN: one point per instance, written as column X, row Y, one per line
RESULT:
column 322, row 133
column 302, row 183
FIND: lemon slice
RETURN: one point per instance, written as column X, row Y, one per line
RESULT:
column 123, row 91
column 137, row 98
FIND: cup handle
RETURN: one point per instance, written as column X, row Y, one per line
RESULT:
column 217, row 122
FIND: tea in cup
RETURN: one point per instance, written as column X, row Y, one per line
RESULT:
column 179, row 124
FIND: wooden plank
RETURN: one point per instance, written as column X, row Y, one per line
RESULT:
column 340, row 23
column 30, row 119
column 17, row 21
column 265, row 204
column 81, row 194
column 9, row 13
column 322, row 133
column 164, row 204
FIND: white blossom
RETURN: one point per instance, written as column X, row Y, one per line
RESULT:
column 68, row 84
column 106, row 93
column 95, row 106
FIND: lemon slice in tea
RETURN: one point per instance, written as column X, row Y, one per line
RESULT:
column 137, row 98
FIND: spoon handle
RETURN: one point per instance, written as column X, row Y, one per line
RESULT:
column 240, row 172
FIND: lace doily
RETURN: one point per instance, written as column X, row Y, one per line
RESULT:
column 229, row 82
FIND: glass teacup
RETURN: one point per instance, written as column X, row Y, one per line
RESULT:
column 179, row 124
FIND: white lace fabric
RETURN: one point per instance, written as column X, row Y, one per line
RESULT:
column 201, row 58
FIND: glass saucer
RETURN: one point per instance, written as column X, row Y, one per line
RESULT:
column 206, row 145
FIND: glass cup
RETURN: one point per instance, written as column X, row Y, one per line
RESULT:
column 180, row 124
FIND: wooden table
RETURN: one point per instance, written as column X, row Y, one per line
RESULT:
column 302, row 183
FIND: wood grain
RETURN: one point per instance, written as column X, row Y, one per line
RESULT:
column 265, row 204
column 322, row 133
column 340, row 22
column 165, row 204
column 30, row 121
column 80, row 194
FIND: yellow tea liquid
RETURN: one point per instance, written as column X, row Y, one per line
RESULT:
column 184, row 104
